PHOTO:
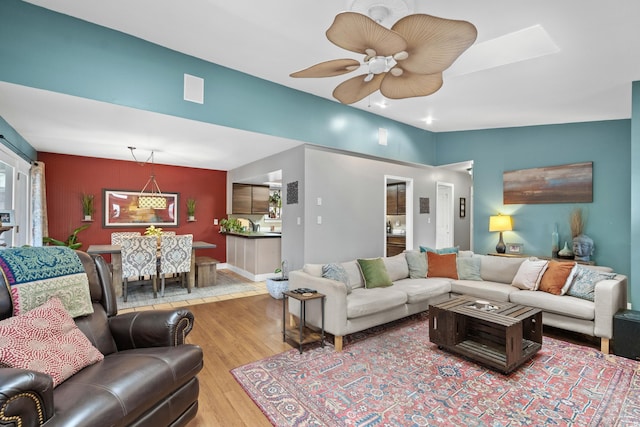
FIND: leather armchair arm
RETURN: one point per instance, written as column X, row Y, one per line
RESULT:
column 156, row 328
column 26, row 397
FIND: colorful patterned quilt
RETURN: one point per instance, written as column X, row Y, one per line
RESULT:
column 35, row 274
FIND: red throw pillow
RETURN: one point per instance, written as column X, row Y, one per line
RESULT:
column 442, row 265
column 47, row 340
column 555, row 277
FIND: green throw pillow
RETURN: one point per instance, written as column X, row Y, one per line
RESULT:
column 374, row 273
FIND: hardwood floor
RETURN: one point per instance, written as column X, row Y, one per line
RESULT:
column 233, row 333
column 238, row 331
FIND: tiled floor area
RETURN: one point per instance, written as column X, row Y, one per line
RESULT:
column 261, row 285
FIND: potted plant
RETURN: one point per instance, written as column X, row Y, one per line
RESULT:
column 275, row 200
column 87, row 206
column 277, row 285
column 71, row 242
column 191, row 209
column 231, row 225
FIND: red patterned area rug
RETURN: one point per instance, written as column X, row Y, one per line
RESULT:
column 393, row 376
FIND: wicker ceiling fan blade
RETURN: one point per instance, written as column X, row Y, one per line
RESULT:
column 356, row 88
column 433, row 43
column 408, row 85
column 357, row 33
column 331, row 68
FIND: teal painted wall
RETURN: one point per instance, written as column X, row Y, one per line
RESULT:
column 606, row 144
column 43, row 49
column 15, row 142
column 635, row 191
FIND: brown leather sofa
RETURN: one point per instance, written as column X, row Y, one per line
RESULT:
column 147, row 377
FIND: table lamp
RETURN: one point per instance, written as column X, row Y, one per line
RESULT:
column 500, row 223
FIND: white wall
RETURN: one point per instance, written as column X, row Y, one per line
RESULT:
column 353, row 194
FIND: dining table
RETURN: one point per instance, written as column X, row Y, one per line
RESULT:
column 116, row 261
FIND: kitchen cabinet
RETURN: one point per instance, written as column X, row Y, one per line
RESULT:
column 397, row 199
column 250, row 199
column 395, row 245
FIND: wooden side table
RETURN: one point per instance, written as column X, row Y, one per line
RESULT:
column 302, row 334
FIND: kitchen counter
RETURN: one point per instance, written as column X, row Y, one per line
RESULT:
column 254, row 234
column 253, row 255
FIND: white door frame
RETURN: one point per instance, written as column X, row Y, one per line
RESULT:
column 444, row 214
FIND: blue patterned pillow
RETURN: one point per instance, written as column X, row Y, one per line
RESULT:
column 584, row 284
column 338, row 273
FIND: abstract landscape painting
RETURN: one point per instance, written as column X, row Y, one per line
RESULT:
column 553, row 184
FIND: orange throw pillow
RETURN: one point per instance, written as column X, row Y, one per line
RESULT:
column 442, row 265
column 555, row 277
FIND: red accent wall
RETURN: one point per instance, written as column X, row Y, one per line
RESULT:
column 67, row 177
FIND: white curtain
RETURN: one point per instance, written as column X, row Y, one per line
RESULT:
column 39, row 225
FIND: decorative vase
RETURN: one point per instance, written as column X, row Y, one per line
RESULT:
column 191, row 218
column 565, row 252
column 277, row 286
column 555, row 244
column 87, row 218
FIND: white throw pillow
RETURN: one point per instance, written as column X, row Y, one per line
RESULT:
column 569, row 280
column 529, row 274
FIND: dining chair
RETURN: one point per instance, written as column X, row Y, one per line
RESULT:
column 139, row 258
column 168, row 233
column 117, row 236
column 175, row 257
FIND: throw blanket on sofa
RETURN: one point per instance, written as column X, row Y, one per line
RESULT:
column 35, row 274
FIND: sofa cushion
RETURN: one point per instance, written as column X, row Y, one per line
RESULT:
column 374, row 273
column 468, row 268
column 499, row 269
column 419, row 290
column 584, row 283
column 46, row 340
column 353, row 271
column 529, row 274
column 126, row 385
column 559, row 304
column 397, row 267
column 338, row 273
column 442, row 265
column 314, row 270
column 484, row 289
column 363, row 302
column 417, row 263
column 558, row 277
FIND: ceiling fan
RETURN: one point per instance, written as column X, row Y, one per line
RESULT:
column 402, row 62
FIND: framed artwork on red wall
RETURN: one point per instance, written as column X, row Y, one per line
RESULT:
column 135, row 209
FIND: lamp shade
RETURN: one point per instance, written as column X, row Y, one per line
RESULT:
column 500, row 223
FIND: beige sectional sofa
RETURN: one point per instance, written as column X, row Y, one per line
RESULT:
column 352, row 308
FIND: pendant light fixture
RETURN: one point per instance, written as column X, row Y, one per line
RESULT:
column 154, row 198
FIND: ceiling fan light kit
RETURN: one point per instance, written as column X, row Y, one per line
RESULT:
column 402, row 62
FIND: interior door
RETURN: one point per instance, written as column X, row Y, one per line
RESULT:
column 444, row 215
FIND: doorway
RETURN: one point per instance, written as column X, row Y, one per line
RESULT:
column 444, row 215
column 398, row 224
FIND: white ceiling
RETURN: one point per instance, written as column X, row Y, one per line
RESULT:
column 585, row 76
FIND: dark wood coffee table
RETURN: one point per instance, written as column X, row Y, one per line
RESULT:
column 500, row 335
